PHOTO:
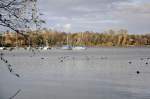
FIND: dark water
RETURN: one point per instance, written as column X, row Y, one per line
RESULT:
column 104, row 73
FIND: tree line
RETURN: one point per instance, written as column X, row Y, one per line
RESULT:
column 45, row 37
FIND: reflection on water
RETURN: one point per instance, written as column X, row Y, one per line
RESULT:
column 104, row 73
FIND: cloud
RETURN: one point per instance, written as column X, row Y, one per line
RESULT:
column 67, row 27
column 62, row 27
column 97, row 15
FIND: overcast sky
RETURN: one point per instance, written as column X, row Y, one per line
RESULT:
column 96, row 15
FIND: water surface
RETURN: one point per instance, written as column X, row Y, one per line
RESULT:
column 96, row 73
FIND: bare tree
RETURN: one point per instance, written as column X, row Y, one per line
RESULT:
column 14, row 14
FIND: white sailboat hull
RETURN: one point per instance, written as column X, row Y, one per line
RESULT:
column 66, row 47
column 79, row 48
column 1, row 48
column 45, row 48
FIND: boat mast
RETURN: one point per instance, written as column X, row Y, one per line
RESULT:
column 67, row 40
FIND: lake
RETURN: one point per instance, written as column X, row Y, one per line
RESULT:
column 95, row 73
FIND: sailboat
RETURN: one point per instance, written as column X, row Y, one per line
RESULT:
column 46, row 47
column 80, row 47
column 67, row 47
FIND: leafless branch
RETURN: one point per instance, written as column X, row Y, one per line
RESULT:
column 12, row 97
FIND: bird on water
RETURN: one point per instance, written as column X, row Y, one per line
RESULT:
column 137, row 72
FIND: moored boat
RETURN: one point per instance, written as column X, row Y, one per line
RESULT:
column 66, row 47
column 79, row 48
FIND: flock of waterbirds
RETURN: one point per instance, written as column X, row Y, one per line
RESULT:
column 61, row 59
column 145, row 60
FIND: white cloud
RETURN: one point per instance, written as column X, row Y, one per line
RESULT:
column 67, row 27
column 58, row 25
